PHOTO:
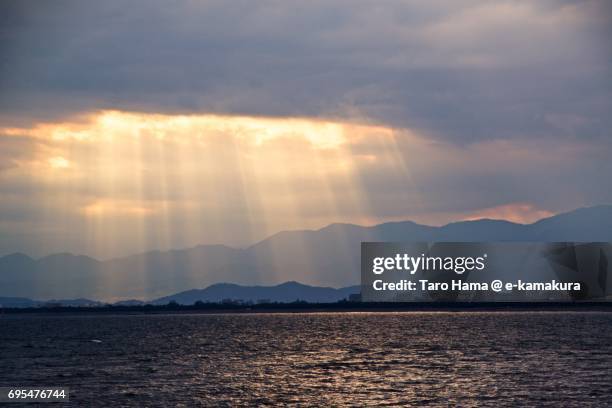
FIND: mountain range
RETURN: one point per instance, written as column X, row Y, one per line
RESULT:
column 327, row 257
column 284, row 293
column 17, row 302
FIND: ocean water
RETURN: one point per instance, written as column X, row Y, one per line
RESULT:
column 318, row 359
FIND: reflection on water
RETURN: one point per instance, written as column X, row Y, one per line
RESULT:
column 315, row 359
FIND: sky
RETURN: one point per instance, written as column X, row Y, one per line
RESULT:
column 128, row 126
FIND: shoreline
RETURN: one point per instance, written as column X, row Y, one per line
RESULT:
column 342, row 307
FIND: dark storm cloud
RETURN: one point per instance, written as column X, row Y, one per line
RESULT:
column 464, row 71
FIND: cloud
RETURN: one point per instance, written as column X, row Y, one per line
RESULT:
column 462, row 71
column 515, row 212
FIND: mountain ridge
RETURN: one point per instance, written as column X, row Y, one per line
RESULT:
column 328, row 256
column 275, row 235
column 224, row 291
column 284, row 292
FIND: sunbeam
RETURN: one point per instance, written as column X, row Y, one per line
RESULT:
column 140, row 181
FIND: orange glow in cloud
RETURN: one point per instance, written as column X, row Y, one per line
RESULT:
column 115, row 124
column 112, row 208
column 521, row 213
column 59, row 163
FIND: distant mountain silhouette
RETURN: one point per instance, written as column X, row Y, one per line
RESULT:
column 285, row 292
column 130, row 302
column 18, row 302
column 326, row 257
column 25, row 302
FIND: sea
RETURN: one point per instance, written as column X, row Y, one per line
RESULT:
column 314, row 359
